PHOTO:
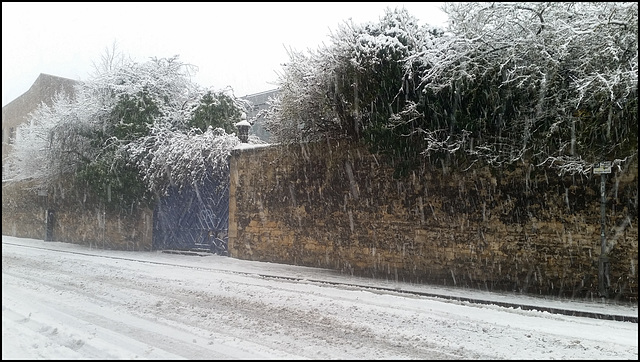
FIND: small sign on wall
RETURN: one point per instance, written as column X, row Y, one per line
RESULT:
column 602, row 167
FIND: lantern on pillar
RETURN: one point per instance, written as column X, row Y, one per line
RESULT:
column 243, row 129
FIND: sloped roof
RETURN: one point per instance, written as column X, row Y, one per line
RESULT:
column 43, row 89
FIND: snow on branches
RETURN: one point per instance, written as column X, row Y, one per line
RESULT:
column 557, row 79
column 173, row 158
column 551, row 84
column 132, row 130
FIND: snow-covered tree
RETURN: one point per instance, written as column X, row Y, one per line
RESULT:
column 132, row 98
column 168, row 158
column 197, row 150
column 217, row 110
column 54, row 140
column 352, row 86
column 550, row 84
column 130, row 132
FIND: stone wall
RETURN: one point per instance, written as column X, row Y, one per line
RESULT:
column 519, row 229
column 76, row 218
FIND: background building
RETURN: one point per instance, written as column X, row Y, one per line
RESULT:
column 259, row 102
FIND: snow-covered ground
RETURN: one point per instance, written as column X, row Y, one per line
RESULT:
column 65, row 301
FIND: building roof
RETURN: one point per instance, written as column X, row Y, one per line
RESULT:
column 43, row 89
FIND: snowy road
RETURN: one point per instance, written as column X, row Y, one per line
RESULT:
column 64, row 301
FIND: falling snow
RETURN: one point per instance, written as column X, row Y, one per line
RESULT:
column 65, row 301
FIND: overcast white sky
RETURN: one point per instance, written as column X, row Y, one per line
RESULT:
column 240, row 44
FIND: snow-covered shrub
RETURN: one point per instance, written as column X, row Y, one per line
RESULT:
column 549, row 84
column 131, row 131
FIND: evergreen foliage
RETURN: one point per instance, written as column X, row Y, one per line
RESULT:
column 548, row 84
column 130, row 133
column 216, row 110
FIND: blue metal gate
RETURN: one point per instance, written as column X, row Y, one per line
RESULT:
column 194, row 219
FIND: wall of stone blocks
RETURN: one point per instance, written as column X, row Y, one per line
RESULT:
column 77, row 218
column 522, row 229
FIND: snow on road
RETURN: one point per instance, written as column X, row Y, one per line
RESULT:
column 65, row 301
